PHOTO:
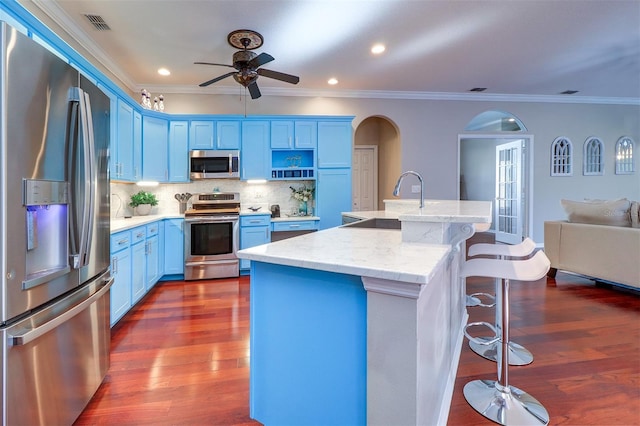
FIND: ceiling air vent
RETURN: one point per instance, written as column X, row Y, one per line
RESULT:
column 97, row 22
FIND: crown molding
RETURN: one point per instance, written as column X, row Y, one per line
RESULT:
column 385, row 94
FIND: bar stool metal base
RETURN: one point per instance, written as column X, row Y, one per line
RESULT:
column 510, row 407
column 518, row 354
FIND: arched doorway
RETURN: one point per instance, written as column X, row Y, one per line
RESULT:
column 495, row 165
column 376, row 162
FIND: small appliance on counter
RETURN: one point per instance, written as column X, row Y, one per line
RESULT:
column 275, row 210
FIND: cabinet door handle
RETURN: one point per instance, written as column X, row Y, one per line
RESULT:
column 255, row 221
column 294, row 226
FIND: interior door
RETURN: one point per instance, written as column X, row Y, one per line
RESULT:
column 508, row 200
column 365, row 178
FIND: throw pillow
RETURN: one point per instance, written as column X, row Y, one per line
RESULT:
column 635, row 214
column 612, row 213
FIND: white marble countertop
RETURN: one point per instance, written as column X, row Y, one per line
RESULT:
column 433, row 211
column 350, row 251
column 122, row 224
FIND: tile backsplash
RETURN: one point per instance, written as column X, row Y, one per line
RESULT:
column 258, row 195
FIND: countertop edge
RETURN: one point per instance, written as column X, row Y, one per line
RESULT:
column 122, row 224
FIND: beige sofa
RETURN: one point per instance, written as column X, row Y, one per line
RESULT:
column 606, row 250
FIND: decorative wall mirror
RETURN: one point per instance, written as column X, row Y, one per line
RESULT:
column 561, row 157
column 625, row 164
column 593, row 158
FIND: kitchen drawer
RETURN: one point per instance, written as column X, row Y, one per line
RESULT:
column 295, row 225
column 138, row 234
column 255, row 220
column 152, row 229
column 120, row 240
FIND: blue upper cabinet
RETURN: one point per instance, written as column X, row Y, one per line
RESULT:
column 288, row 134
column 281, row 134
column 178, row 151
column 201, row 135
column 254, row 151
column 155, row 149
column 334, row 144
column 228, row 134
column 137, row 146
column 306, row 134
column 123, row 158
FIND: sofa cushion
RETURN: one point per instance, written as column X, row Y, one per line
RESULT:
column 597, row 212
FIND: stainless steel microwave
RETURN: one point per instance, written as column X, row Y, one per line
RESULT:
column 214, row 164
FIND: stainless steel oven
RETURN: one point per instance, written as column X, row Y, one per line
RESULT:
column 211, row 236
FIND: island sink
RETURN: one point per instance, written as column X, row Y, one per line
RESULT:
column 375, row 223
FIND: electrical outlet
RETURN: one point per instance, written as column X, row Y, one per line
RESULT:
column 258, row 194
column 415, row 189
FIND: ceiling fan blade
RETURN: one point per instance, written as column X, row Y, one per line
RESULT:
column 260, row 60
column 213, row 63
column 288, row 78
column 254, row 91
column 206, row 83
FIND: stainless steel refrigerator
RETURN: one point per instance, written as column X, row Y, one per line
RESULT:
column 54, row 227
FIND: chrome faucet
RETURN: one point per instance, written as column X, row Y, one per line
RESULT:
column 396, row 190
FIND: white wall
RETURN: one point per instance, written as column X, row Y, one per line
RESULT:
column 429, row 132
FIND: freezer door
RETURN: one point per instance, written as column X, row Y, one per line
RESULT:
column 55, row 360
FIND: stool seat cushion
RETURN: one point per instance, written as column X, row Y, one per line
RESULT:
column 531, row 269
column 525, row 248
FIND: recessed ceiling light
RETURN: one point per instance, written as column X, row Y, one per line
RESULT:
column 164, row 71
column 332, row 81
column 378, row 49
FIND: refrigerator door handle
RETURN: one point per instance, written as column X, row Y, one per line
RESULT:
column 81, row 238
column 90, row 176
column 33, row 334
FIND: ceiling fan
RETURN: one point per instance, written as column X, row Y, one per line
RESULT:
column 248, row 63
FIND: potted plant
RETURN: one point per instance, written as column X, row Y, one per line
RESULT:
column 142, row 202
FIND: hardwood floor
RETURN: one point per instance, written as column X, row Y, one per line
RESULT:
column 182, row 356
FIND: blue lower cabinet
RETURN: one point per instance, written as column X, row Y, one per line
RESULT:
column 254, row 231
column 173, row 252
column 120, row 292
column 138, row 247
column 152, row 252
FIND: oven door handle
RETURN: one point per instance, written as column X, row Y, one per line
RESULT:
column 217, row 262
column 211, row 219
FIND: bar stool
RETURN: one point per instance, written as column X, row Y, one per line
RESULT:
column 497, row 400
column 518, row 354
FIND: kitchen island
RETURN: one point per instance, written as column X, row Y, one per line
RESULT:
column 356, row 325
